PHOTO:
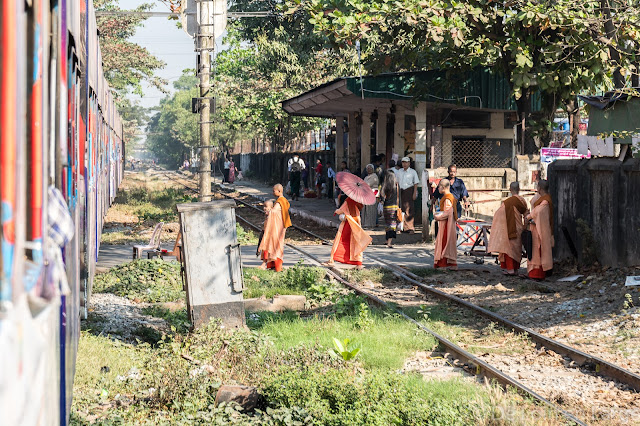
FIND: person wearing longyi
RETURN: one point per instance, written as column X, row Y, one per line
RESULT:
column 276, row 224
column 446, row 252
column 541, row 225
column 506, row 231
column 408, row 182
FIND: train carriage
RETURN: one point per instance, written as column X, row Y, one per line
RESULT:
column 60, row 134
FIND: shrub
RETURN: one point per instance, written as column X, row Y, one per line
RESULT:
column 343, row 397
column 145, row 280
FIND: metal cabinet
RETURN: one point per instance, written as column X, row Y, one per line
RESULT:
column 211, row 262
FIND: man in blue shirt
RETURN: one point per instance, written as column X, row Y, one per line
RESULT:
column 457, row 188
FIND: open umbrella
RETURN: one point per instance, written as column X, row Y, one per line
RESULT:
column 355, row 188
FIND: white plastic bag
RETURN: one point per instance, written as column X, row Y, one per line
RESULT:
column 287, row 189
column 400, row 226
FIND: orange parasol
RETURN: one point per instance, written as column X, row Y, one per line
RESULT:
column 355, row 188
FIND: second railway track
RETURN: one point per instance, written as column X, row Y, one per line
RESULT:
column 586, row 364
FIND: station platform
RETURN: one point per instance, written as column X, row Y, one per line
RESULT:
column 408, row 256
column 317, row 210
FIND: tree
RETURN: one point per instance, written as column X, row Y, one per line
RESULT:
column 126, row 64
column 269, row 60
column 557, row 48
column 173, row 130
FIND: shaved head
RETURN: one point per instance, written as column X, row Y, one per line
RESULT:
column 543, row 186
column 277, row 190
column 514, row 188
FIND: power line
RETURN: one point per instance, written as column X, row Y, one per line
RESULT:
column 232, row 15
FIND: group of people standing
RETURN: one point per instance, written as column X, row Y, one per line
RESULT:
column 513, row 223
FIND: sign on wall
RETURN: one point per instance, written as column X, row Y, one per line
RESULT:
column 549, row 155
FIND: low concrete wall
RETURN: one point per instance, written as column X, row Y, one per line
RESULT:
column 529, row 170
column 486, row 187
column 605, row 193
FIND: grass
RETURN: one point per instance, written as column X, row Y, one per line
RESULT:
column 385, row 344
column 295, row 280
column 178, row 319
column 106, row 373
column 143, row 281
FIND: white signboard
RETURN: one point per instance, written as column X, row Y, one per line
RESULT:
column 190, row 16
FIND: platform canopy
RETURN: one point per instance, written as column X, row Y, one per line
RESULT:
column 475, row 89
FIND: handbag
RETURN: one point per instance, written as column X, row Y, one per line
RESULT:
column 527, row 243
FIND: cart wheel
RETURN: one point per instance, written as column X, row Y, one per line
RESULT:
column 478, row 261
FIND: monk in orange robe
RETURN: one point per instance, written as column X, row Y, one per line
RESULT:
column 276, row 224
column 351, row 240
column 446, row 254
column 541, row 226
column 506, row 231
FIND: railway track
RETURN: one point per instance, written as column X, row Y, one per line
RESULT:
column 586, row 363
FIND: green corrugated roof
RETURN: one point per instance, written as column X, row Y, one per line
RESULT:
column 623, row 116
column 478, row 85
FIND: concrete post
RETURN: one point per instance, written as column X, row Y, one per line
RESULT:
column 365, row 150
column 339, row 147
column 421, row 137
column 381, row 132
column 353, row 143
column 398, row 135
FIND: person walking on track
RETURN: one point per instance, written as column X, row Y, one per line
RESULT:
column 276, row 224
column 351, row 240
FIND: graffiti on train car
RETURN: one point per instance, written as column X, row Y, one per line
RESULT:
column 61, row 162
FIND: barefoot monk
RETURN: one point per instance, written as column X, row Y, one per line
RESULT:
column 541, row 225
column 276, row 224
column 446, row 253
column 506, row 231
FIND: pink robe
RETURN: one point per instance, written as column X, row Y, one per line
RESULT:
column 272, row 245
column 351, row 240
column 543, row 240
column 447, row 237
column 499, row 241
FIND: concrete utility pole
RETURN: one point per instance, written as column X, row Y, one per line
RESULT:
column 204, row 36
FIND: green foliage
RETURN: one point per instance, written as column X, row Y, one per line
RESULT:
column 559, row 49
column 144, row 280
column 348, row 305
column 298, row 279
column 341, row 349
column 126, row 64
column 321, row 292
column 340, row 397
column 177, row 319
column 246, row 237
column 174, row 129
column 386, row 342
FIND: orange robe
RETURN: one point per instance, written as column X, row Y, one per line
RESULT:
column 446, row 253
column 505, row 241
column 543, row 241
column 351, row 240
column 272, row 245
